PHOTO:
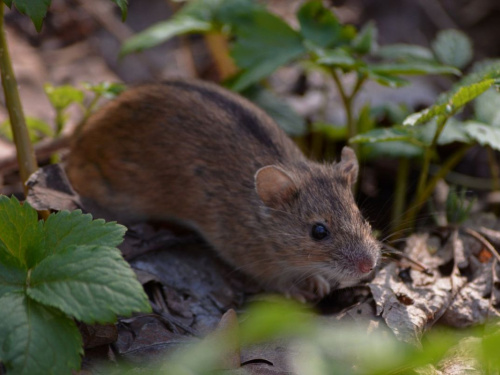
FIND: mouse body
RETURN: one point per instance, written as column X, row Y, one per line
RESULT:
column 195, row 153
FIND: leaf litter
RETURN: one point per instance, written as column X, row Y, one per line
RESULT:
column 195, row 296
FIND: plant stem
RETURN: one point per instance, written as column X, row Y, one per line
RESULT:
column 25, row 153
column 441, row 122
column 347, row 101
column 400, row 191
column 419, row 200
column 217, row 44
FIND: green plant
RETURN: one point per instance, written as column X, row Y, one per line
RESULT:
column 54, row 271
column 458, row 207
column 36, row 10
column 439, row 125
column 320, row 348
column 61, row 98
column 262, row 42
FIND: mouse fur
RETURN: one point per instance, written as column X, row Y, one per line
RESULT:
column 195, row 153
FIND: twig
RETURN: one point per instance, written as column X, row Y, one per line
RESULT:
column 484, row 241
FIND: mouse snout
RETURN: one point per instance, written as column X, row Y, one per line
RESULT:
column 366, row 265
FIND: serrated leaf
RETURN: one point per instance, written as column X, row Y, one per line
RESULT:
column 461, row 97
column 12, row 274
column 279, row 110
column 483, row 134
column 34, row 9
column 263, row 44
column 413, row 68
column 123, row 5
column 62, row 96
column 337, row 57
column 64, row 229
column 90, row 283
column 383, row 135
column 366, row 40
column 487, row 108
column 318, row 24
column 37, row 340
column 402, row 52
column 20, row 231
column 453, row 47
column 163, row 31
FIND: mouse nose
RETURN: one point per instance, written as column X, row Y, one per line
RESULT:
column 365, row 265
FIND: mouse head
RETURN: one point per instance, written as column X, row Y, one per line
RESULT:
column 314, row 222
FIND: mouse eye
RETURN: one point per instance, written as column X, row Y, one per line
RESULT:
column 319, row 232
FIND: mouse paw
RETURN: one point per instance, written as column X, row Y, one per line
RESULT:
column 312, row 289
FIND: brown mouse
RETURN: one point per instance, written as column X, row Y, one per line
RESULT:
column 193, row 152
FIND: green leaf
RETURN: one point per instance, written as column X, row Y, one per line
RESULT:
column 383, row 135
column 461, row 97
column 393, row 149
column 331, row 131
column 402, row 52
column 34, row 9
column 390, row 112
column 262, row 45
column 366, row 40
column 37, row 340
column 278, row 109
column 62, row 96
column 266, row 320
column 385, row 79
column 483, row 134
column 454, row 131
column 8, row 3
column 318, row 24
column 12, row 274
column 64, row 229
column 89, row 283
column 106, row 89
column 37, row 129
column 20, row 231
column 453, row 47
column 338, row 57
column 487, row 108
column 413, row 68
column 163, row 31
column 123, row 4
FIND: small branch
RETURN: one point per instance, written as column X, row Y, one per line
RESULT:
column 419, row 200
column 400, row 192
column 428, row 155
column 483, row 241
column 25, row 153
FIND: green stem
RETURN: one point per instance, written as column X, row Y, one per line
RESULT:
column 400, row 191
column 59, row 121
column 419, row 200
column 25, row 153
column 347, row 101
column 428, row 155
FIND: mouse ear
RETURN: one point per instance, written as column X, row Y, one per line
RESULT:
column 348, row 165
column 274, row 185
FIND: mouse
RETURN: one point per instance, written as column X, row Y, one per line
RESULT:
column 195, row 153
